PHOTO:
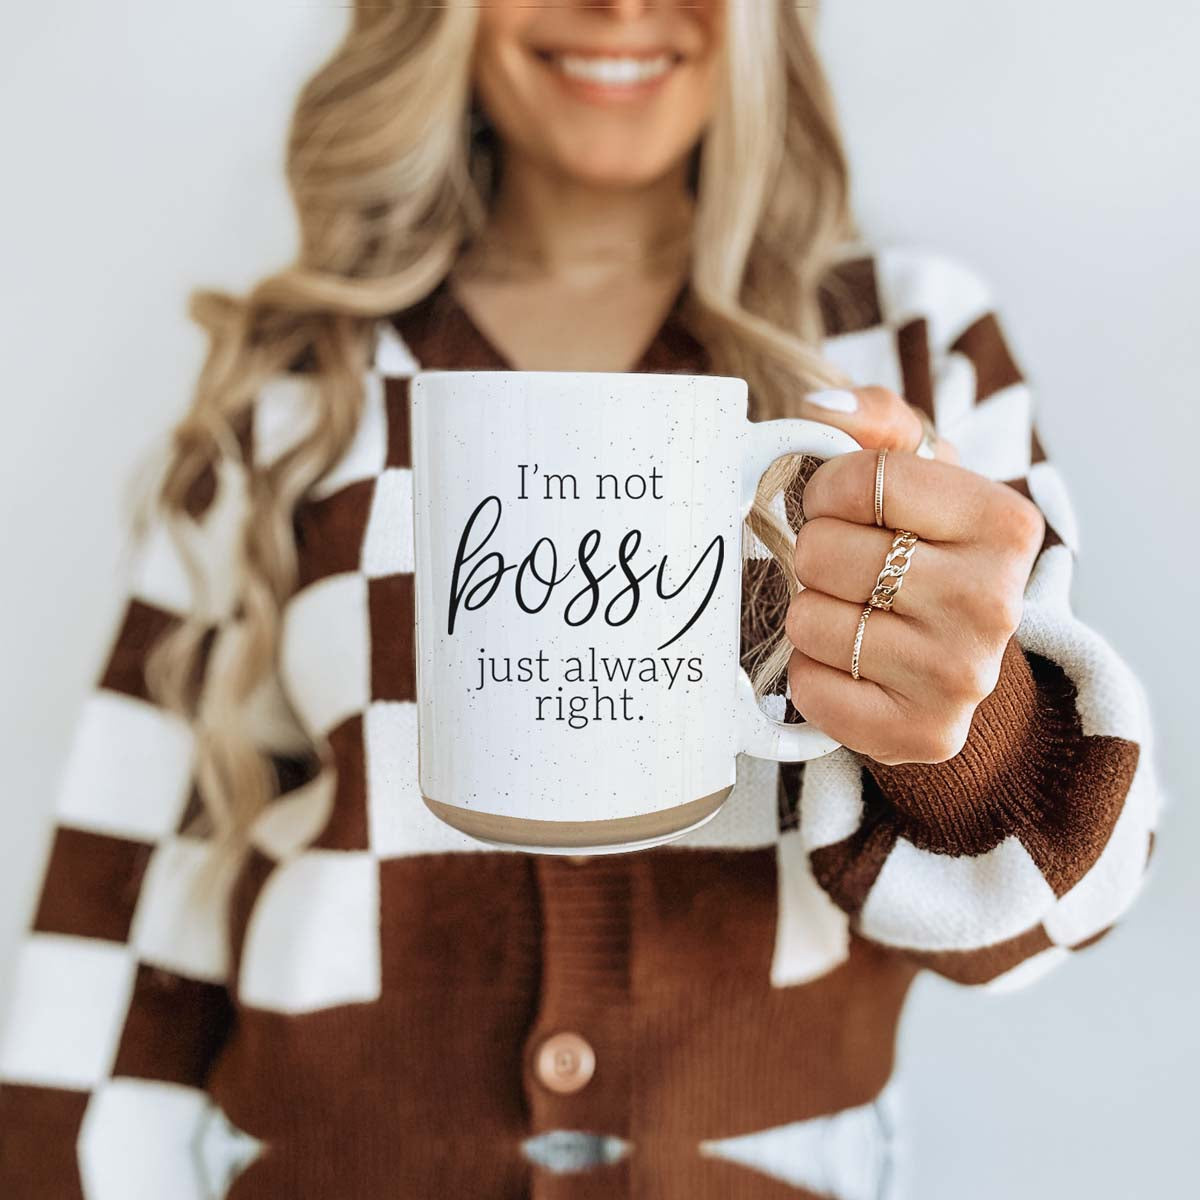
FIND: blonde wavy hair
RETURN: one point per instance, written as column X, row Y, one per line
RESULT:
column 391, row 179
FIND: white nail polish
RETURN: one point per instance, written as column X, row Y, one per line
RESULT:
column 834, row 399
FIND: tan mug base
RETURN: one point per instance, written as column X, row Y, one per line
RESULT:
column 596, row 837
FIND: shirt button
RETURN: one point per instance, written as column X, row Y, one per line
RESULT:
column 565, row 1062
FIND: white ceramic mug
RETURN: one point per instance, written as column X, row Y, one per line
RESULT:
column 578, row 601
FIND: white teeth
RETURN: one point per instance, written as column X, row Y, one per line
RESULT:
column 616, row 72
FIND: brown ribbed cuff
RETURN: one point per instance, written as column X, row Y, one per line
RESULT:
column 1007, row 779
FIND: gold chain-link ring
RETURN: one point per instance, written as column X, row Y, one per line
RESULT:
column 899, row 559
column 879, row 463
column 858, row 637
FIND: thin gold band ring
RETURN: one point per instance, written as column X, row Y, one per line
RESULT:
column 927, row 447
column 858, row 638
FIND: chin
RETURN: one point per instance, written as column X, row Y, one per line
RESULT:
column 615, row 180
column 613, row 168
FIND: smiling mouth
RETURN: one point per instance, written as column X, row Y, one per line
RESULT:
column 611, row 71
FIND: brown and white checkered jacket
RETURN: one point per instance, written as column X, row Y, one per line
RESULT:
column 357, row 1009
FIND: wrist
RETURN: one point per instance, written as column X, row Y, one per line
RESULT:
column 1019, row 742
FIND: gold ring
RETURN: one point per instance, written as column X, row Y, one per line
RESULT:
column 879, row 461
column 858, row 637
column 899, row 559
column 926, row 448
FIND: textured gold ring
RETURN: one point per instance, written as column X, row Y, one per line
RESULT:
column 879, row 463
column 895, row 567
column 858, row 637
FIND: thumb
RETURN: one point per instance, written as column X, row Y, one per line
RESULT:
column 874, row 417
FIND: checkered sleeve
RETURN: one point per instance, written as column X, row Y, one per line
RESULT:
column 992, row 867
column 118, row 1002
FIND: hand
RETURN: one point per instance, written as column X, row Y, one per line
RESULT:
column 926, row 664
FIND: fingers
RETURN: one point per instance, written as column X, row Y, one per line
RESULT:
column 843, row 560
column 864, row 718
column 872, row 416
column 858, row 713
column 936, row 500
column 894, row 652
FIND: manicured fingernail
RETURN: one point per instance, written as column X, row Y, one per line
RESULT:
column 834, row 399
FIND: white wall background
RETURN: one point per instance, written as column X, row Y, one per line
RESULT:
column 1053, row 145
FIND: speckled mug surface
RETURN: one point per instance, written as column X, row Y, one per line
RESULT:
column 577, row 543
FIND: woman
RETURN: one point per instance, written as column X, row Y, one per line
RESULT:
column 252, row 973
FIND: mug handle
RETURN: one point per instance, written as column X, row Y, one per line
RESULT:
column 763, row 442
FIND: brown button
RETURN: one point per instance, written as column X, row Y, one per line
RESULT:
column 565, row 1063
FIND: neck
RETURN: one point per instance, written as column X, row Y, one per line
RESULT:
column 545, row 223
